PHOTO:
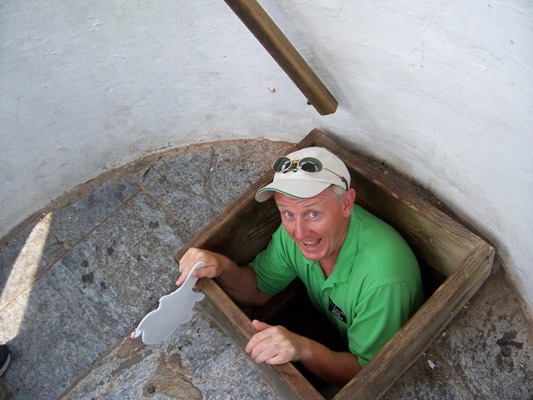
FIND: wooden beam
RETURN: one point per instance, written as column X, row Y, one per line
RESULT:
column 280, row 48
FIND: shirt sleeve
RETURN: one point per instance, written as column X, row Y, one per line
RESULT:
column 378, row 317
column 273, row 266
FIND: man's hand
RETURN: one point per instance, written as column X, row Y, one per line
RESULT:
column 273, row 344
column 238, row 282
column 212, row 269
column 278, row 345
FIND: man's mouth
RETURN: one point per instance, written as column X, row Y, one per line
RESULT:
column 311, row 244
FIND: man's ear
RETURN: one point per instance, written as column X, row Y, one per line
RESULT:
column 349, row 200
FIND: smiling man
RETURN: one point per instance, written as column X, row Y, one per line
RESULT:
column 358, row 271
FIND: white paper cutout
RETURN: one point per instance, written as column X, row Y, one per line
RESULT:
column 174, row 309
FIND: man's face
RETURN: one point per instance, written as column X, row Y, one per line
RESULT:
column 318, row 225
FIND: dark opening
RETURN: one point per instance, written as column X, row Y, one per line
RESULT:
column 300, row 316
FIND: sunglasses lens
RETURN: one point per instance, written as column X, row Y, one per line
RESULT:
column 309, row 164
column 282, row 164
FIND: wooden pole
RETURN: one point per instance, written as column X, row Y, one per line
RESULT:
column 280, row 48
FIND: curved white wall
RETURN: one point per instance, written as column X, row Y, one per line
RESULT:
column 440, row 90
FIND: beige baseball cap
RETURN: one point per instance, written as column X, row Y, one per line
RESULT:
column 294, row 179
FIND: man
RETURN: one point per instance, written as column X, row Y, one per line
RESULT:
column 358, row 271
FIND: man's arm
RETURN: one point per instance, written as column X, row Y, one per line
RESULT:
column 277, row 345
column 238, row 282
column 271, row 344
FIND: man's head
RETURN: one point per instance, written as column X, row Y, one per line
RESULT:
column 318, row 225
column 315, row 207
column 306, row 173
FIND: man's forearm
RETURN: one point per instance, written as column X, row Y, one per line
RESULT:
column 336, row 368
column 240, row 284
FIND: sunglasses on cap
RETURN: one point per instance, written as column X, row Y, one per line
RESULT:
column 307, row 164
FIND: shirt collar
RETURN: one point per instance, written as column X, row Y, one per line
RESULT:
column 347, row 254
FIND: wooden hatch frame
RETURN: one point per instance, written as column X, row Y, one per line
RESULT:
column 438, row 240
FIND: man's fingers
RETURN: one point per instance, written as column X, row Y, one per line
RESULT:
column 280, row 358
column 189, row 259
column 262, row 335
column 271, row 344
column 259, row 326
column 205, row 272
column 271, row 351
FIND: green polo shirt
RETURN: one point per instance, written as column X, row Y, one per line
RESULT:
column 374, row 288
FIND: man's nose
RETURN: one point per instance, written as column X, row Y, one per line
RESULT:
column 300, row 229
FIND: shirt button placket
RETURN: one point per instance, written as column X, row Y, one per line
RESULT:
column 325, row 299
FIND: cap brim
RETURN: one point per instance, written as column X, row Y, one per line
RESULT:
column 297, row 188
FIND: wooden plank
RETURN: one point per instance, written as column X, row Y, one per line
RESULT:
column 280, row 48
column 242, row 325
column 287, row 380
column 241, row 232
column 414, row 337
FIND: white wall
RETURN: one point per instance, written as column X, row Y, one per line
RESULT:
column 441, row 90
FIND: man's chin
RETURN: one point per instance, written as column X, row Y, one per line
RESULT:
column 314, row 255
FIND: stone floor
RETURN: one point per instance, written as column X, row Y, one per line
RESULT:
column 76, row 279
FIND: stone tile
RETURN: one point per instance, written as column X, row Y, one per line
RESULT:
column 25, row 257
column 201, row 183
column 235, row 168
column 180, row 184
column 91, row 298
column 485, row 352
column 127, row 265
column 72, row 223
column 50, row 343
column 197, row 362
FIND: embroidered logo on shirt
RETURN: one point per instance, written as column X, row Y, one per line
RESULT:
column 336, row 311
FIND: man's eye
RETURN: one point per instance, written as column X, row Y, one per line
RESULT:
column 288, row 214
column 313, row 214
